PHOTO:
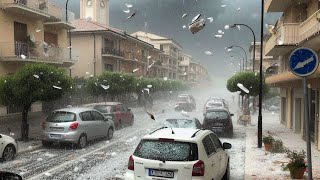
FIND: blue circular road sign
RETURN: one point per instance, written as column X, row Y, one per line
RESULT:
column 303, row 62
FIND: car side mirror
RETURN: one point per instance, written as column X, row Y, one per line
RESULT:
column 226, row 146
column 231, row 114
column 107, row 118
column 9, row 175
column 129, row 109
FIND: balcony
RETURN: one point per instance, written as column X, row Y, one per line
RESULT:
column 22, row 52
column 309, row 31
column 276, row 5
column 58, row 17
column 111, row 52
column 36, row 9
column 287, row 33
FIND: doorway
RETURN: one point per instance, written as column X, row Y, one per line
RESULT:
column 20, row 39
column 283, row 110
column 297, row 115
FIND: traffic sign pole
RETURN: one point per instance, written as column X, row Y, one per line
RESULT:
column 307, row 125
column 303, row 62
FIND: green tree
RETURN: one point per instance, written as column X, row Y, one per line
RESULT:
column 32, row 83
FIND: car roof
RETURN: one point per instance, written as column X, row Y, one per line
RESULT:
column 102, row 103
column 75, row 109
column 217, row 109
column 182, row 118
column 180, row 134
column 184, row 95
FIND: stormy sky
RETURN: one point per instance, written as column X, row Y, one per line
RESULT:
column 163, row 17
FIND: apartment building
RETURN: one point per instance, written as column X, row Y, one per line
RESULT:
column 298, row 27
column 184, row 67
column 33, row 31
column 170, row 48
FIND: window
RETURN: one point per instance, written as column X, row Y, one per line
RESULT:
column 61, row 116
column 217, row 143
column 123, row 108
column 86, row 116
column 14, row 109
column 208, row 145
column 167, row 150
column 97, row 116
column 108, row 67
column 104, row 108
column 161, row 47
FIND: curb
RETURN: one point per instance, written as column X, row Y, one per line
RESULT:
column 30, row 149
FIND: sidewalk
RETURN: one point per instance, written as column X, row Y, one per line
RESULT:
column 260, row 164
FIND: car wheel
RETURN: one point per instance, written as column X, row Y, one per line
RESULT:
column 82, row 143
column 46, row 143
column 226, row 175
column 9, row 152
column 110, row 133
column 132, row 121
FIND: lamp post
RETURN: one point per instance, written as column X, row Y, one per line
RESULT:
column 254, row 40
column 239, row 63
column 245, row 53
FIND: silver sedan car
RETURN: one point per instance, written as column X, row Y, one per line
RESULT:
column 76, row 125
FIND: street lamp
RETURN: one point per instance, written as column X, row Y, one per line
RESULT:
column 245, row 53
column 240, row 61
column 69, row 33
column 254, row 40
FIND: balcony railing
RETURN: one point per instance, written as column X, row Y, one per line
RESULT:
column 112, row 52
column 38, row 5
column 309, row 27
column 21, row 51
column 59, row 12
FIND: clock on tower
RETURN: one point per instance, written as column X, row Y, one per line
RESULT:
column 95, row 10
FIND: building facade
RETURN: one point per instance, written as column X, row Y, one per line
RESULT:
column 33, row 31
column 297, row 27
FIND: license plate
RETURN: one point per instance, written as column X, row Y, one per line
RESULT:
column 56, row 128
column 55, row 136
column 216, row 130
column 218, row 124
column 161, row 173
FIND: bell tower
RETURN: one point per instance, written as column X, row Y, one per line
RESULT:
column 95, row 10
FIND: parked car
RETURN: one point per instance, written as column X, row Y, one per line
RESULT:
column 184, row 122
column 118, row 112
column 219, row 121
column 213, row 105
column 77, row 126
column 8, row 147
column 179, row 153
column 185, row 102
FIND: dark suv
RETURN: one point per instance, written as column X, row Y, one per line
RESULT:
column 219, row 121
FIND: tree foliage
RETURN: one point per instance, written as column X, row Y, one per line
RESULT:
column 250, row 80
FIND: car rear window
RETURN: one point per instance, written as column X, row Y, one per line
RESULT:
column 180, row 123
column 104, row 108
column 61, row 116
column 214, row 104
column 183, row 99
column 167, row 150
column 217, row 115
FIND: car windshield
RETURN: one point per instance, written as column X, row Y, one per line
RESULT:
column 180, row 123
column 167, row 150
column 217, row 115
column 105, row 108
column 61, row 116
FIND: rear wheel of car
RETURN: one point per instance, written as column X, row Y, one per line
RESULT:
column 9, row 152
column 46, row 143
column 82, row 143
column 110, row 133
column 226, row 175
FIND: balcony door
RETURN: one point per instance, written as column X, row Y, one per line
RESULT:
column 20, row 39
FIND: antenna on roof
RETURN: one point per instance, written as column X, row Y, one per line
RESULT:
column 172, row 131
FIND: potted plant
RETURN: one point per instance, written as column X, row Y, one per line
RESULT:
column 297, row 165
column 267, row 141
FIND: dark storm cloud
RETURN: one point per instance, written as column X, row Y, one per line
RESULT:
column 163, row 17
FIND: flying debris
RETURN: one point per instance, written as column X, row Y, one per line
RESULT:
column 165, row 78
column 208, row 53
column 87, row 73
column 243, row 88
column 229, row 50
column 126, row 11
column 184, row 26
column 210, row 19
column 196, row 18
column 38, row 30
column 57, row 87
column 184, row 15
column 131, row 15
column 149, row 57
column 226, row 27
column 149, row 86
column 238, row 9
column 135, row 70
column 151, row 116
column 238, row 26
column 223, row 5
column 185, row 73
column 197, row 26
column 23, row 56
column 218, row 36
column 36, row 76
column 105, row 87
column 128, row 5
column 271, row 28
column 220, row 31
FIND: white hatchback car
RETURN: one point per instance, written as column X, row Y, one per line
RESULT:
column 179, row 154
column 8, row 147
